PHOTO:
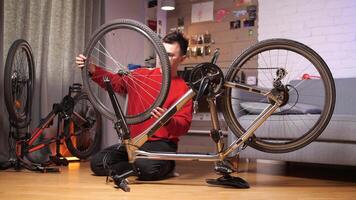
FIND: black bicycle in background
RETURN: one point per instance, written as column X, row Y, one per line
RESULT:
column 78, row 122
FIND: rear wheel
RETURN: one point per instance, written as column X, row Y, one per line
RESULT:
column 306, row 82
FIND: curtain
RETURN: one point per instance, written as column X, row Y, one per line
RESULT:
column 57, row 30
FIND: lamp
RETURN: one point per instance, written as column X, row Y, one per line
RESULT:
column 167, row 4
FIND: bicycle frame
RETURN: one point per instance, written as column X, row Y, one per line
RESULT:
column 27, row 144
column 133, row 145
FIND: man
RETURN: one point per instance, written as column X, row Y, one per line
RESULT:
column 114, row 158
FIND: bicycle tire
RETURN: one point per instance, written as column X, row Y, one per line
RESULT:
column 79, row 144
column 105, row 32
column 265, row 139
column 15, row 79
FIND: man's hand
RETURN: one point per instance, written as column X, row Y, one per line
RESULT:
column 158, row 112
column 80, row 60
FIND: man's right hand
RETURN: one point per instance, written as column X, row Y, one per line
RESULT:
column 80, row 60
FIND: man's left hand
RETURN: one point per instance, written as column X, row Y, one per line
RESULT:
column 158, row 112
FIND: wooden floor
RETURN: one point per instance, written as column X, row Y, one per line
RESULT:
column 268, row 180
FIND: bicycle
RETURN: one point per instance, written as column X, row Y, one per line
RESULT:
column 278, row 65
column 78, row 124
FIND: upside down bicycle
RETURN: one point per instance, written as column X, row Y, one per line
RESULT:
column 279, row 66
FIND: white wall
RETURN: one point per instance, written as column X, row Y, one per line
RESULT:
column 327, row 26
column 132, row 9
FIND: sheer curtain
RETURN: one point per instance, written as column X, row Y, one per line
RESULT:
column 57, row 31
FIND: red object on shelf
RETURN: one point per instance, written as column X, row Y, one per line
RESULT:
column 152, row 24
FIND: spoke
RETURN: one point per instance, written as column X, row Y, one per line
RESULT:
column 140, row 75
column 118, row 64
column 134, row 88
column 145, row 84
column 267, row 78
column 263, row 59
column 141, row 99
column 75, row 113
column 289, row 77
column 100, row 63
column 139, row 85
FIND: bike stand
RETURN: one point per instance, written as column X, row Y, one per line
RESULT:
column 17, row 162
column 18, row 165
column 59, row 160
column 10, row 164
column 231, row 181
column 223, row 168
column 46, row 169
column 121, row 182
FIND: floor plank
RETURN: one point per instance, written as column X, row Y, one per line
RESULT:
column 268, row 180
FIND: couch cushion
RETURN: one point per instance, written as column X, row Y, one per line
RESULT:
column 299, row 108
column 345, row 95
column 316, row 152
column 341, row 127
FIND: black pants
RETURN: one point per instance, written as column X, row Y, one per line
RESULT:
column 116, row 160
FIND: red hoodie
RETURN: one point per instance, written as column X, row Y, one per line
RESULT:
column 142, row 86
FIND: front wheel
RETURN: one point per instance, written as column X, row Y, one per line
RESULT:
column 19, row 79
column 298, row 71
column 134, row 58
column 83, row 128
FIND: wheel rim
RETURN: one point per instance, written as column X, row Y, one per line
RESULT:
column 18, row 85
column 105, row 51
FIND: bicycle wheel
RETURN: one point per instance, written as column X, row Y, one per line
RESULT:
column 19, row 78
column 124, row 48
column 303, row 75
column 83, row 128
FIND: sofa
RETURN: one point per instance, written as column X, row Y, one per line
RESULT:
column 335, row 146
